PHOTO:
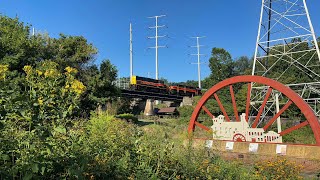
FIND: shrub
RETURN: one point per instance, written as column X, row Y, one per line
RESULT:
column 112, row 145
column 128, row 117
column 185, row 112
column 277, row 168
column 42, row 96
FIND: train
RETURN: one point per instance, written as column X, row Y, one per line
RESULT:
column 139, row 83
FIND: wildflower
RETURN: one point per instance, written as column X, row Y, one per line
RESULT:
column 40, row 101
column 50, row 73
column 3, row 70
column 78, row 87
column 27, row 69
column 39, row 72
column 71, row 70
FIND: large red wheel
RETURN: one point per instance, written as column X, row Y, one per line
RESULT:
column 292, row 99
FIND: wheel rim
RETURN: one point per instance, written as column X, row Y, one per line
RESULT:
column 294, row 98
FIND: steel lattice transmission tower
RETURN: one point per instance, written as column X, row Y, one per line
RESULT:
column 287, row 51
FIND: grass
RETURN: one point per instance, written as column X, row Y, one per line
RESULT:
column 176, row 129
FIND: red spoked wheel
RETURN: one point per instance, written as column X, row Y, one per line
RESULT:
column 292, row 99
column 239, row 138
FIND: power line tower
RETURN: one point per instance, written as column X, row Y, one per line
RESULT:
column 156, row 38
column 198, row 55
column 287, row 51
column 131, row 53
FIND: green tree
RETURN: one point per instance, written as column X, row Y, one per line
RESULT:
column 73, row 51
column 17, row 48
column 220, row 64
column 243, row 66
column 99, row 83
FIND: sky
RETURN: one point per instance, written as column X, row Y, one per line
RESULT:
column 229, row 24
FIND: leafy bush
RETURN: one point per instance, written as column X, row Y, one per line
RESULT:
column 105, row 148
column 42, row 96
column 185, row 112
column 277, row 168
column 128, row 117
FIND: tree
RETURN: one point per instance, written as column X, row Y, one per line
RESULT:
column 99, row 83
column 220, row 64
column 73, row 51
column 17, row 49
column 108, row 71
column 243, row 66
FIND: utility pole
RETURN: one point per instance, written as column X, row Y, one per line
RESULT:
column 131, row 63
column 199, row 62
column 156, row 38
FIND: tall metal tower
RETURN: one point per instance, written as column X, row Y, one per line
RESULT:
column 286, row 46
column 156, row 38
column 131, row 52
column 199, row 62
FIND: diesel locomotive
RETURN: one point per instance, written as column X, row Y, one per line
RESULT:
column 152, row 85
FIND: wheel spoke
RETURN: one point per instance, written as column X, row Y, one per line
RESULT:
column 221, row 107
column 234, row 104
column 202, row 126
column 207, row 111
column 248, row 102
column 285, row 107
column 294, row 128
column 255, row 123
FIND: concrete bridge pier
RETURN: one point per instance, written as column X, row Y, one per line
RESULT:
column 148, row 110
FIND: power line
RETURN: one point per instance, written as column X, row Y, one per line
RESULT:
column 131, row 51
column 198, row 54
column 156, row 38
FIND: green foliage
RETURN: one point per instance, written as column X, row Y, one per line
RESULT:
column 112, row 145
column 100, row 89
column 128, row 117
column 277, row 168
column 220, row 64
column 185, row 112
column 19, row 49
column 43, row 96
column 72, row 51
column 106, row 148
column 303, row 135
column 16, row 47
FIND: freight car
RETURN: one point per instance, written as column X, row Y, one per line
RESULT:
column 152, row 85
column 184, row 90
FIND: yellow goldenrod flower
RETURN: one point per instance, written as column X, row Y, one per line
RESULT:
column 50, row 73
column 40, row 101
column 39, row 72
column 78, row 87
column 3, row 70
column 27, row 69
column 71, row 70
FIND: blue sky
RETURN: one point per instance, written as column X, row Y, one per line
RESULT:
column 230, row 24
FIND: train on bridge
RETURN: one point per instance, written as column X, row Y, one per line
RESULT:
column 138, row 83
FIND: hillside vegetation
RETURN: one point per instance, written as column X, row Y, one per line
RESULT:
column 49, row 129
